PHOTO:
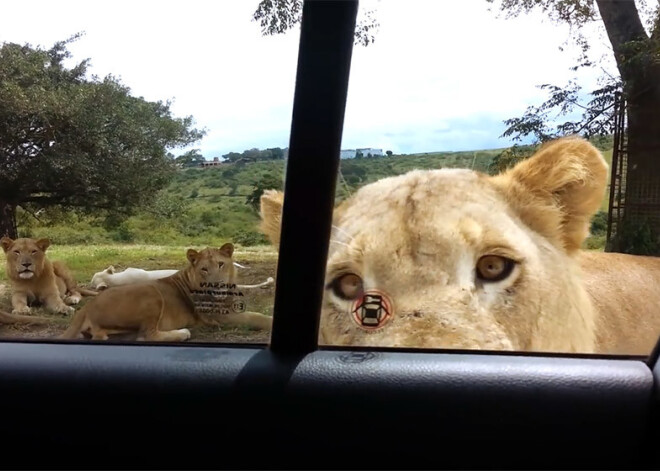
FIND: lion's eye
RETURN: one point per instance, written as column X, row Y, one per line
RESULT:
column 221, row 264
column 204, row 269
column 347, row 286
column 17, row 252
column 494, row 268
column 34, row 252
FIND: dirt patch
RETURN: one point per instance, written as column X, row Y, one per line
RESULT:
column 257, row 299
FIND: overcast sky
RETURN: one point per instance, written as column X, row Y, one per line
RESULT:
column 442, row 75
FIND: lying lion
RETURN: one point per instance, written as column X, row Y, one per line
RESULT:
column 162, row 309
column 36, row 280
column 454, row 258
column 110, row 277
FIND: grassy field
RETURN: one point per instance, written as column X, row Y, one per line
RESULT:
column 84, row 261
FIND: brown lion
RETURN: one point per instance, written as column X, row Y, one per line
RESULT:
column 36, row 280
column 163, row 309
column 454, row 258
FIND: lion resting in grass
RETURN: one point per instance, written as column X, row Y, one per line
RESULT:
column 35, row 279
column 162, row 309
column 453, row 258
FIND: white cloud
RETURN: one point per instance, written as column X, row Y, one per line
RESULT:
column 435, row 65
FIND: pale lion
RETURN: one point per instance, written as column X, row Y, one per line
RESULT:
column 470, row 261
column 35, row 279
column 163, row 309
column 110, row 277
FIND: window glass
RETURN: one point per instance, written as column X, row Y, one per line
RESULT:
column 463, row 219
column 133, row 137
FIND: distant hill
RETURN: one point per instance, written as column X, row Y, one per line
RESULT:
column 209, row 206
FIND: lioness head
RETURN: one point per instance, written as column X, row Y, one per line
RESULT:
column 211, row 265
column 25, row 257
column 453, row 258
column 99, row 280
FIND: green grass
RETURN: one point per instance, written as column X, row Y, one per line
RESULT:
column 85, row 260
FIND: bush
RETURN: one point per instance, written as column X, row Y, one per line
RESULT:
column 249, row 238
column 123, row 234
column 595, row 242
column 636, row 239
column 599, row 223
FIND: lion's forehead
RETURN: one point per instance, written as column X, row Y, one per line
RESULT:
column 422, row 193
column 213, row 257
column 427, row 212
column 24, row 245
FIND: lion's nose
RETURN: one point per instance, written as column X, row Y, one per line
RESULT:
column 26, row 264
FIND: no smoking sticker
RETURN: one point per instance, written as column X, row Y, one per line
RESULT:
column 372, row 310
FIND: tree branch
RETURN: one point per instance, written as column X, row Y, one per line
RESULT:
column 31, row 213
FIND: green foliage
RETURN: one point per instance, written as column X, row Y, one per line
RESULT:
column 74, row 142
column 599, row 223
column 510, row 157
column 595, row 242
column 123, row 234
column 637, row 238
column 603, row 143
column 255, row 155
column 249, row 238
column 167, row 206
column 220, row 213
column 279, row 16
column 267, row 181
column 194, row 193
column 636, row 54
column 192, row 158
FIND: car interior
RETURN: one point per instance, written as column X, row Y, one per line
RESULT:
column 292, row 404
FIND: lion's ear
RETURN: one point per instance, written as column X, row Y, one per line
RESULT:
column 558, row 189
column 6, row 243
column 271, row 215
column 192, row 255
column 227, row 249
column 43, row 244
column 110, row 270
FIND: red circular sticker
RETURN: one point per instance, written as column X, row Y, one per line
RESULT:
column 372, row 310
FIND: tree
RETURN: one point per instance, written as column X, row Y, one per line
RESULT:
column 267, row 181
column 78, row 143
column 232, row 156
column 276, row 153
column 637, row 55
column 192, row 158
column 389, row 153
column 279, row 16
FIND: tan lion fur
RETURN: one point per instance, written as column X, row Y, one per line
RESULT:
column 35, row 279
column 162, row 309
column 418, row 238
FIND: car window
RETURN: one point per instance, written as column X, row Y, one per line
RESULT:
column 496, row 191
column 131, row 137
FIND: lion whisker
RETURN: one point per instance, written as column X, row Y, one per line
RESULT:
column 339, row 229
column 332, row 241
